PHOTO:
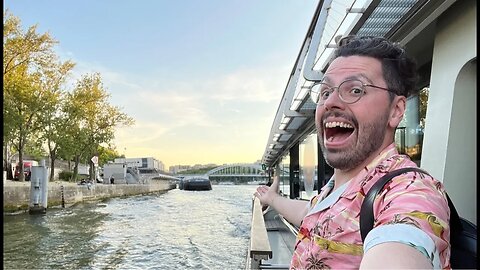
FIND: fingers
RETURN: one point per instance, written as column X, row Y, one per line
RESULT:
column 262, row 189
column 276, row 178
column 277, row 171
column 276, row 183
column 260, row 192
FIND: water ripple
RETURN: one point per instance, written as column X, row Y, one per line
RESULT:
column 175, row 230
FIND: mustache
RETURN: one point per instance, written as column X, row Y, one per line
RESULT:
column 339, row 114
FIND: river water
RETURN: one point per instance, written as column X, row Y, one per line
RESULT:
column 175, row 230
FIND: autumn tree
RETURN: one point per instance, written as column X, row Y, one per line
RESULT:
column 32, row 75
column 52, row 119
column 95, row 119
column 22, row 93
column 37, row 109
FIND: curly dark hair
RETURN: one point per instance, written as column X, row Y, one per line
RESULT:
column 399, row 70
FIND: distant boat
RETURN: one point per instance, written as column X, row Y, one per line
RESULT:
column 195, row 184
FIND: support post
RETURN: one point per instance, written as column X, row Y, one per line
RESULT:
column 39, row 189
column 295, row 172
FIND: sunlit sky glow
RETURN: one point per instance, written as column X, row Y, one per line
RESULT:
column 202, row 78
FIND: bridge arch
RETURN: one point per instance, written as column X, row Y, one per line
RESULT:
column 238, row 172
column 237, row 168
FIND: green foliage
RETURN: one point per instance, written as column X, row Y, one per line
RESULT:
column 68, row 176
column 24, row 48
column 27, row 62
column 35, row 149
column 95, row 119
column 65, row 175
column 37, row 108
column 106, row 154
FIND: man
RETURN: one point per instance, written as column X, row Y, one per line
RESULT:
column 360, row 102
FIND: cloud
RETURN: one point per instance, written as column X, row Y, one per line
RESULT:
column 198, row 102
column 250, row 85
column 229, row 113
column 110, row 77
column 177, row 108
column 141, row 133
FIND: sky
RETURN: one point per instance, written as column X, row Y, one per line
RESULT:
column 202, row 79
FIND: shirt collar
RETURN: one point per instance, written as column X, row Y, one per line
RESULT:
column 386, row 153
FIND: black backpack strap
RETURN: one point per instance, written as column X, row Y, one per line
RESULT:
column 366, row 210
column 455, row 223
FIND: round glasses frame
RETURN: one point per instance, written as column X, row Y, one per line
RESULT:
column 349, row 91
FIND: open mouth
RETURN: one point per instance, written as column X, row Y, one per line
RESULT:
column 337, row 132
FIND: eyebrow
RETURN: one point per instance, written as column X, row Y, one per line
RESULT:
column 351, row 77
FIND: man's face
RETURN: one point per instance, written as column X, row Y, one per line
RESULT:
column 349, row 134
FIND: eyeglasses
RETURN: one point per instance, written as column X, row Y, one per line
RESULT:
column 349, row 91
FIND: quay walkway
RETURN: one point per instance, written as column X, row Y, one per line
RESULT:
column 16, row 195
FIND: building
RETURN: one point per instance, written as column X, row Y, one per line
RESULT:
column 144, row 165
column 178, row 168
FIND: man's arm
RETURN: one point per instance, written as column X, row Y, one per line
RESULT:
column 292, row 210
column 393, row 255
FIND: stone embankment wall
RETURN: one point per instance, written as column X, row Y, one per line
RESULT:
column 17, row 198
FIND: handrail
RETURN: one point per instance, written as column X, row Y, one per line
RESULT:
column 293, row 229
column 275, row 266
column 259, row 245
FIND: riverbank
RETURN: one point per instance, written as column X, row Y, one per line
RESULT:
column 16, row 195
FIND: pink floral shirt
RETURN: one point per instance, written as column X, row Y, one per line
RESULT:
column 411, row 209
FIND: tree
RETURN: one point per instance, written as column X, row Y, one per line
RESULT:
column 27, row 57
column 8, row 134
column 22, row 92
column 34, row 148
column 24, row 48
column 52, row 120
column 106, row 154
column 94, row 119
column 37, row 107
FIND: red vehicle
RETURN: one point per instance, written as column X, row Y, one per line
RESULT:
column 27, row 170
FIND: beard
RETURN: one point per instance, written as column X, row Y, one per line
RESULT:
column 369, row 139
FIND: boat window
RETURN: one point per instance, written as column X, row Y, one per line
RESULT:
column 285, row 175
column 308, row 167
column 409, row 134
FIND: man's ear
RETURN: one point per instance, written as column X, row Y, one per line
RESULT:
column 397, row 110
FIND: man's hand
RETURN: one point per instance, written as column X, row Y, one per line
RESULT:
column 268, row 194
column 293, row 210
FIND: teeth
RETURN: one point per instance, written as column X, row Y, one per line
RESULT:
column 337, row 124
